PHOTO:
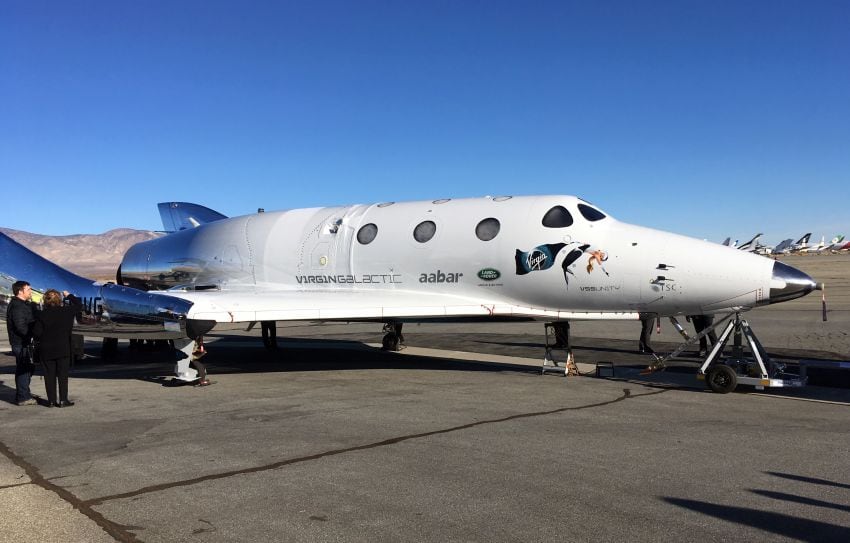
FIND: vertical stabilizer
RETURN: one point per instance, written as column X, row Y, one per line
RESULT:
column 178, row 216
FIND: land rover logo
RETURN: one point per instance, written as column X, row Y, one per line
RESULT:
column 489, row 274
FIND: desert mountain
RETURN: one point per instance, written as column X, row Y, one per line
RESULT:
column 95, row 256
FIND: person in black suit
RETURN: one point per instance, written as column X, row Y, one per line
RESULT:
column 269, row 330
column 20, row 316
column 53, row 329
column 701, row 322
column 645, row 343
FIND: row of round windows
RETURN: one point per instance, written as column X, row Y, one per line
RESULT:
column 487, row 229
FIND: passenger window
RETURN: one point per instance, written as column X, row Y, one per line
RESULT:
column 488, row 229
column 367, row 233
column 557, row 217
column 424, row 231
column 590, row 213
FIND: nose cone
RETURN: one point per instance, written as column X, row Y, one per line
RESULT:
column 788, row 283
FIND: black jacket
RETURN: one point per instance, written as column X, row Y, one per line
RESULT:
column 53, row 330
column 20, row 316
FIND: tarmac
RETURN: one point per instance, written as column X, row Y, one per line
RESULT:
column 459, row 437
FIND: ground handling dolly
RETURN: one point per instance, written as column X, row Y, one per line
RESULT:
column 723, row 373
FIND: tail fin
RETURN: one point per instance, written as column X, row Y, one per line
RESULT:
column 750, row 244
column 19, row 263
column 183, row 215
column 785, row 244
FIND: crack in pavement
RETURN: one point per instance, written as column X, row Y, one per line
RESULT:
column 111, row 528
column 120, row 533
column 4, row 487
column 268, row 467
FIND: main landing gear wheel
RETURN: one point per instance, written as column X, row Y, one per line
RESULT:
column 721, row 379
column 390, row 342
column 393, row 340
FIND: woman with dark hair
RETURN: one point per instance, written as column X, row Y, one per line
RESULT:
column 53, row 330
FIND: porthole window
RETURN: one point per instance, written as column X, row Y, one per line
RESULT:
column 488, row 229
column 557, row 217
column 424, row 231
column 441, row 201
column 367, row 233
column 386, row 204
column 590, row 213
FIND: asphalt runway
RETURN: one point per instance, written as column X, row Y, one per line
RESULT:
column 457, row 438
column 329, row 440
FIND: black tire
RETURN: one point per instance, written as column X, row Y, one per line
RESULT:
column 390, row 342
column 109, row 348
column 721, row 379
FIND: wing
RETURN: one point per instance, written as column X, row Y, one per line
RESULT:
column 374, row 305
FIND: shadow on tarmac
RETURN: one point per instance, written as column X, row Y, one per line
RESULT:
column 232, row 356
column 245, row 354
column 796, row 527
column 804, row 479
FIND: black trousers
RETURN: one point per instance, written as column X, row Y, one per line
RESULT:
column 23, row 374
column 701, row 322
column 646, row 324
column 269, row 330
column 56, row 370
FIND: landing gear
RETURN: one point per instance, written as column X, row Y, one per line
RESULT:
column 189, row 353
column 393, row 339
column 660, row 362
column 560, row 333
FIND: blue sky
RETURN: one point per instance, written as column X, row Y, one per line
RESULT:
column 710, row 119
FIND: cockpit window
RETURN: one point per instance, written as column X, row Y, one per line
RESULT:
column 557, row 217
column 590, row 213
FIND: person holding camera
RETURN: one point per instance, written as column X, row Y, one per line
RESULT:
column 53, row 330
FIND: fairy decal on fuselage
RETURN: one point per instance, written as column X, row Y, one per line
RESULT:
column 596, row 255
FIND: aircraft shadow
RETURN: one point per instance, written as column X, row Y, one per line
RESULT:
column 795, row 527
column 231, row 356
column 803, row 500
column 804, row 479
column 245, row 354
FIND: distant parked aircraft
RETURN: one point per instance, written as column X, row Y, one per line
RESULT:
column 835, row 243
column 801, row 244
column 783, row 247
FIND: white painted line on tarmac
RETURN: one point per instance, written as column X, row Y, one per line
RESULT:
column 813, row 400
